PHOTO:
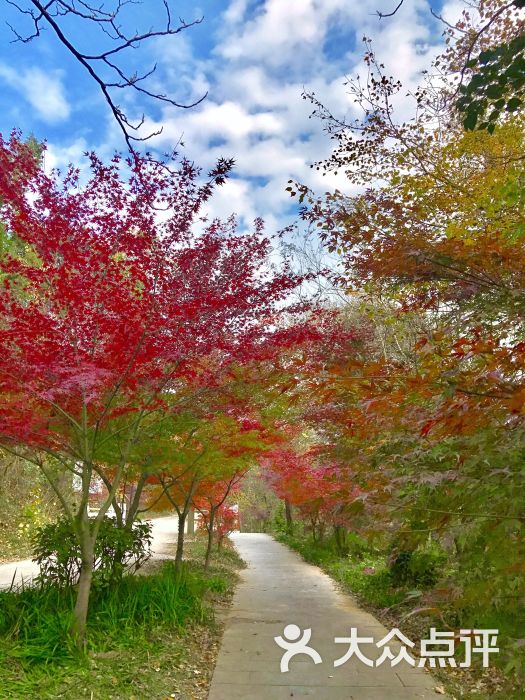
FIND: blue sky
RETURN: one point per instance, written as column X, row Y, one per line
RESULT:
column 253, row 57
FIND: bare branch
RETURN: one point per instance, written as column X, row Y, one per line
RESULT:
column 390, row 14
column 444, row 21
column 101, row 66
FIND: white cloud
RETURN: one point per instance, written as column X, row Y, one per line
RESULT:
column 279, row 29
column 261, row 62
column 234, row 196
column 453, row 9
column 235, row 12
column 60, row 157
column 264, row 54
column 43, row 90
column 231, row 120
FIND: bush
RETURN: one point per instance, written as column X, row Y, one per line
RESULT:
column 117, row 551
column 368, row 578
column 357, row 546
column 417, row 568
column 315, row 552
column 27, row 502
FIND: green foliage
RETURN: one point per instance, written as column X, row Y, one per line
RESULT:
column 258, row 505
column 356, row 545
column 368, row 578
column 117, row 551
column 497, row 85
column 278, row 522
column 365, row 573
column 218, row 584
column 148, row 637
column 314, row 551
column 27, row 502
column 419, row 568
column 35, row 621
column 387, row 585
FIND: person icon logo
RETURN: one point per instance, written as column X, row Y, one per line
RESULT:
column 294, row 644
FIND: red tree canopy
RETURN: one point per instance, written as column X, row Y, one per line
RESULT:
column 113, row 299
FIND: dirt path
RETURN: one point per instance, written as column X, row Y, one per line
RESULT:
column 279, row 589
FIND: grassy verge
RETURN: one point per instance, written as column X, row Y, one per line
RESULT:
column 366, row 576
column 154, row 637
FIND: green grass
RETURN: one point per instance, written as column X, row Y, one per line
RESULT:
column 369, row 578
column 148, row 638
column 36, row 620
column 152, row 669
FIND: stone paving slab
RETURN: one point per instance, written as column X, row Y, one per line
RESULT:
column 277, row 589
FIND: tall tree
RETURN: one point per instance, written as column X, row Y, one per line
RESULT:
column 428, row 417
column 121, row 302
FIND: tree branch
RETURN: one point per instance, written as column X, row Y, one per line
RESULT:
column 390, row 14
column 51, row 14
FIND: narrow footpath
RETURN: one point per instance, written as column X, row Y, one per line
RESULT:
column 278, row 589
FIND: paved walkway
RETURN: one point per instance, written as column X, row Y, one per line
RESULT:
column 278, row 589
column 164, row 535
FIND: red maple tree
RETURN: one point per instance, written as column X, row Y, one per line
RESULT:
column 114, row 302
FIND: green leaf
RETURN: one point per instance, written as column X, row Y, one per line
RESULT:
column 495, row 91
column 513, row 104
column 476, row 81
column 470, row 120
column 486, row 56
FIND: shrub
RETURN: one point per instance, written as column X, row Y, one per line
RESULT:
column 357, row 546
column 26, row 503
column 418, row 568
column 117, row 551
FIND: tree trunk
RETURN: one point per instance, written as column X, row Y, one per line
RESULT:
column 313, row 525
column 210, row 538
column 180, row 538
column 119, row 514
column 340, row 539
column 191, row 521
column 289, row 517
column 84, row 588
column 134, row 502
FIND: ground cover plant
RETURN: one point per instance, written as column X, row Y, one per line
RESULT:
column 155, row 635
